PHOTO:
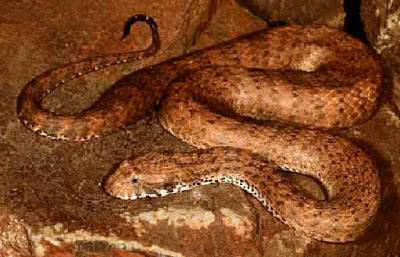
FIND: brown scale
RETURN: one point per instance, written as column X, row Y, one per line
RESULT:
column 306, row 76
column 340, row 218
column 313, row 76
column 346, row 172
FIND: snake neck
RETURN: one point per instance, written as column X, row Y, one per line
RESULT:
column 207, row 179
column 340, row 218
column 157, row 179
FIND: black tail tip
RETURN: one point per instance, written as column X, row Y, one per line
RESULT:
column 138, row 17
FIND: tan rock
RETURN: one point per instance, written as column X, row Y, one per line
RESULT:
column 382, row 25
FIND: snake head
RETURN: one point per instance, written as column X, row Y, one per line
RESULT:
column 135, row 179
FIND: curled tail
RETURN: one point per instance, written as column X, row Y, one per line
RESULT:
column 75, row 127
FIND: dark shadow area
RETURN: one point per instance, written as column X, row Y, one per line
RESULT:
column 353, row 24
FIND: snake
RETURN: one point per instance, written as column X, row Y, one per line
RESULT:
column 254, row 107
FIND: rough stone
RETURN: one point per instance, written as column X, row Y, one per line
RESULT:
column 329, row 12
column 382, row 25
column 51, row 196
column 15, row 236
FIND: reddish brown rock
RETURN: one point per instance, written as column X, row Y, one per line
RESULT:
column 51, row 194
column 329, row 12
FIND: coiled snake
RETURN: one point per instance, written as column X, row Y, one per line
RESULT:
column 308, row 76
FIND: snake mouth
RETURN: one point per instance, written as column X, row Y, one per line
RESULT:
column 124, row 195
column 196, row 124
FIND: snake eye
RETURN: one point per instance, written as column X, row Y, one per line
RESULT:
column 135, row 180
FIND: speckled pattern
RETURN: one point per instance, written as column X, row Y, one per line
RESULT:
column 354, row 192
column 105, row 115
column 317, row 77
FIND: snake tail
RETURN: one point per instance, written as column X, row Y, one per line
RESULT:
column 47, row 123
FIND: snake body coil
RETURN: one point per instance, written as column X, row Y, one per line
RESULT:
column 300, row 76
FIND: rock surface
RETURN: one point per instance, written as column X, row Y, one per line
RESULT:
column 51, row 196
column 329, row 12
column 382, row 25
